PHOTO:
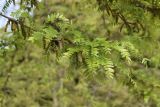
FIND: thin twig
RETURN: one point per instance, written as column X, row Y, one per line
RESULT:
column 16, row 21
column 9, row 18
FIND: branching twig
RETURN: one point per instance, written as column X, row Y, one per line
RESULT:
column 9, row 18
column 103, row 5
column 152, row 9
column 16, row 21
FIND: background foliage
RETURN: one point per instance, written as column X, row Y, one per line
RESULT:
column 80, row 53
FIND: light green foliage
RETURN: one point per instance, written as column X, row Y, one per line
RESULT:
column 81, row 53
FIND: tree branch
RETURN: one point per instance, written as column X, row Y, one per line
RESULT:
column 153, row 10
column 9, row 18
column 16, row 21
